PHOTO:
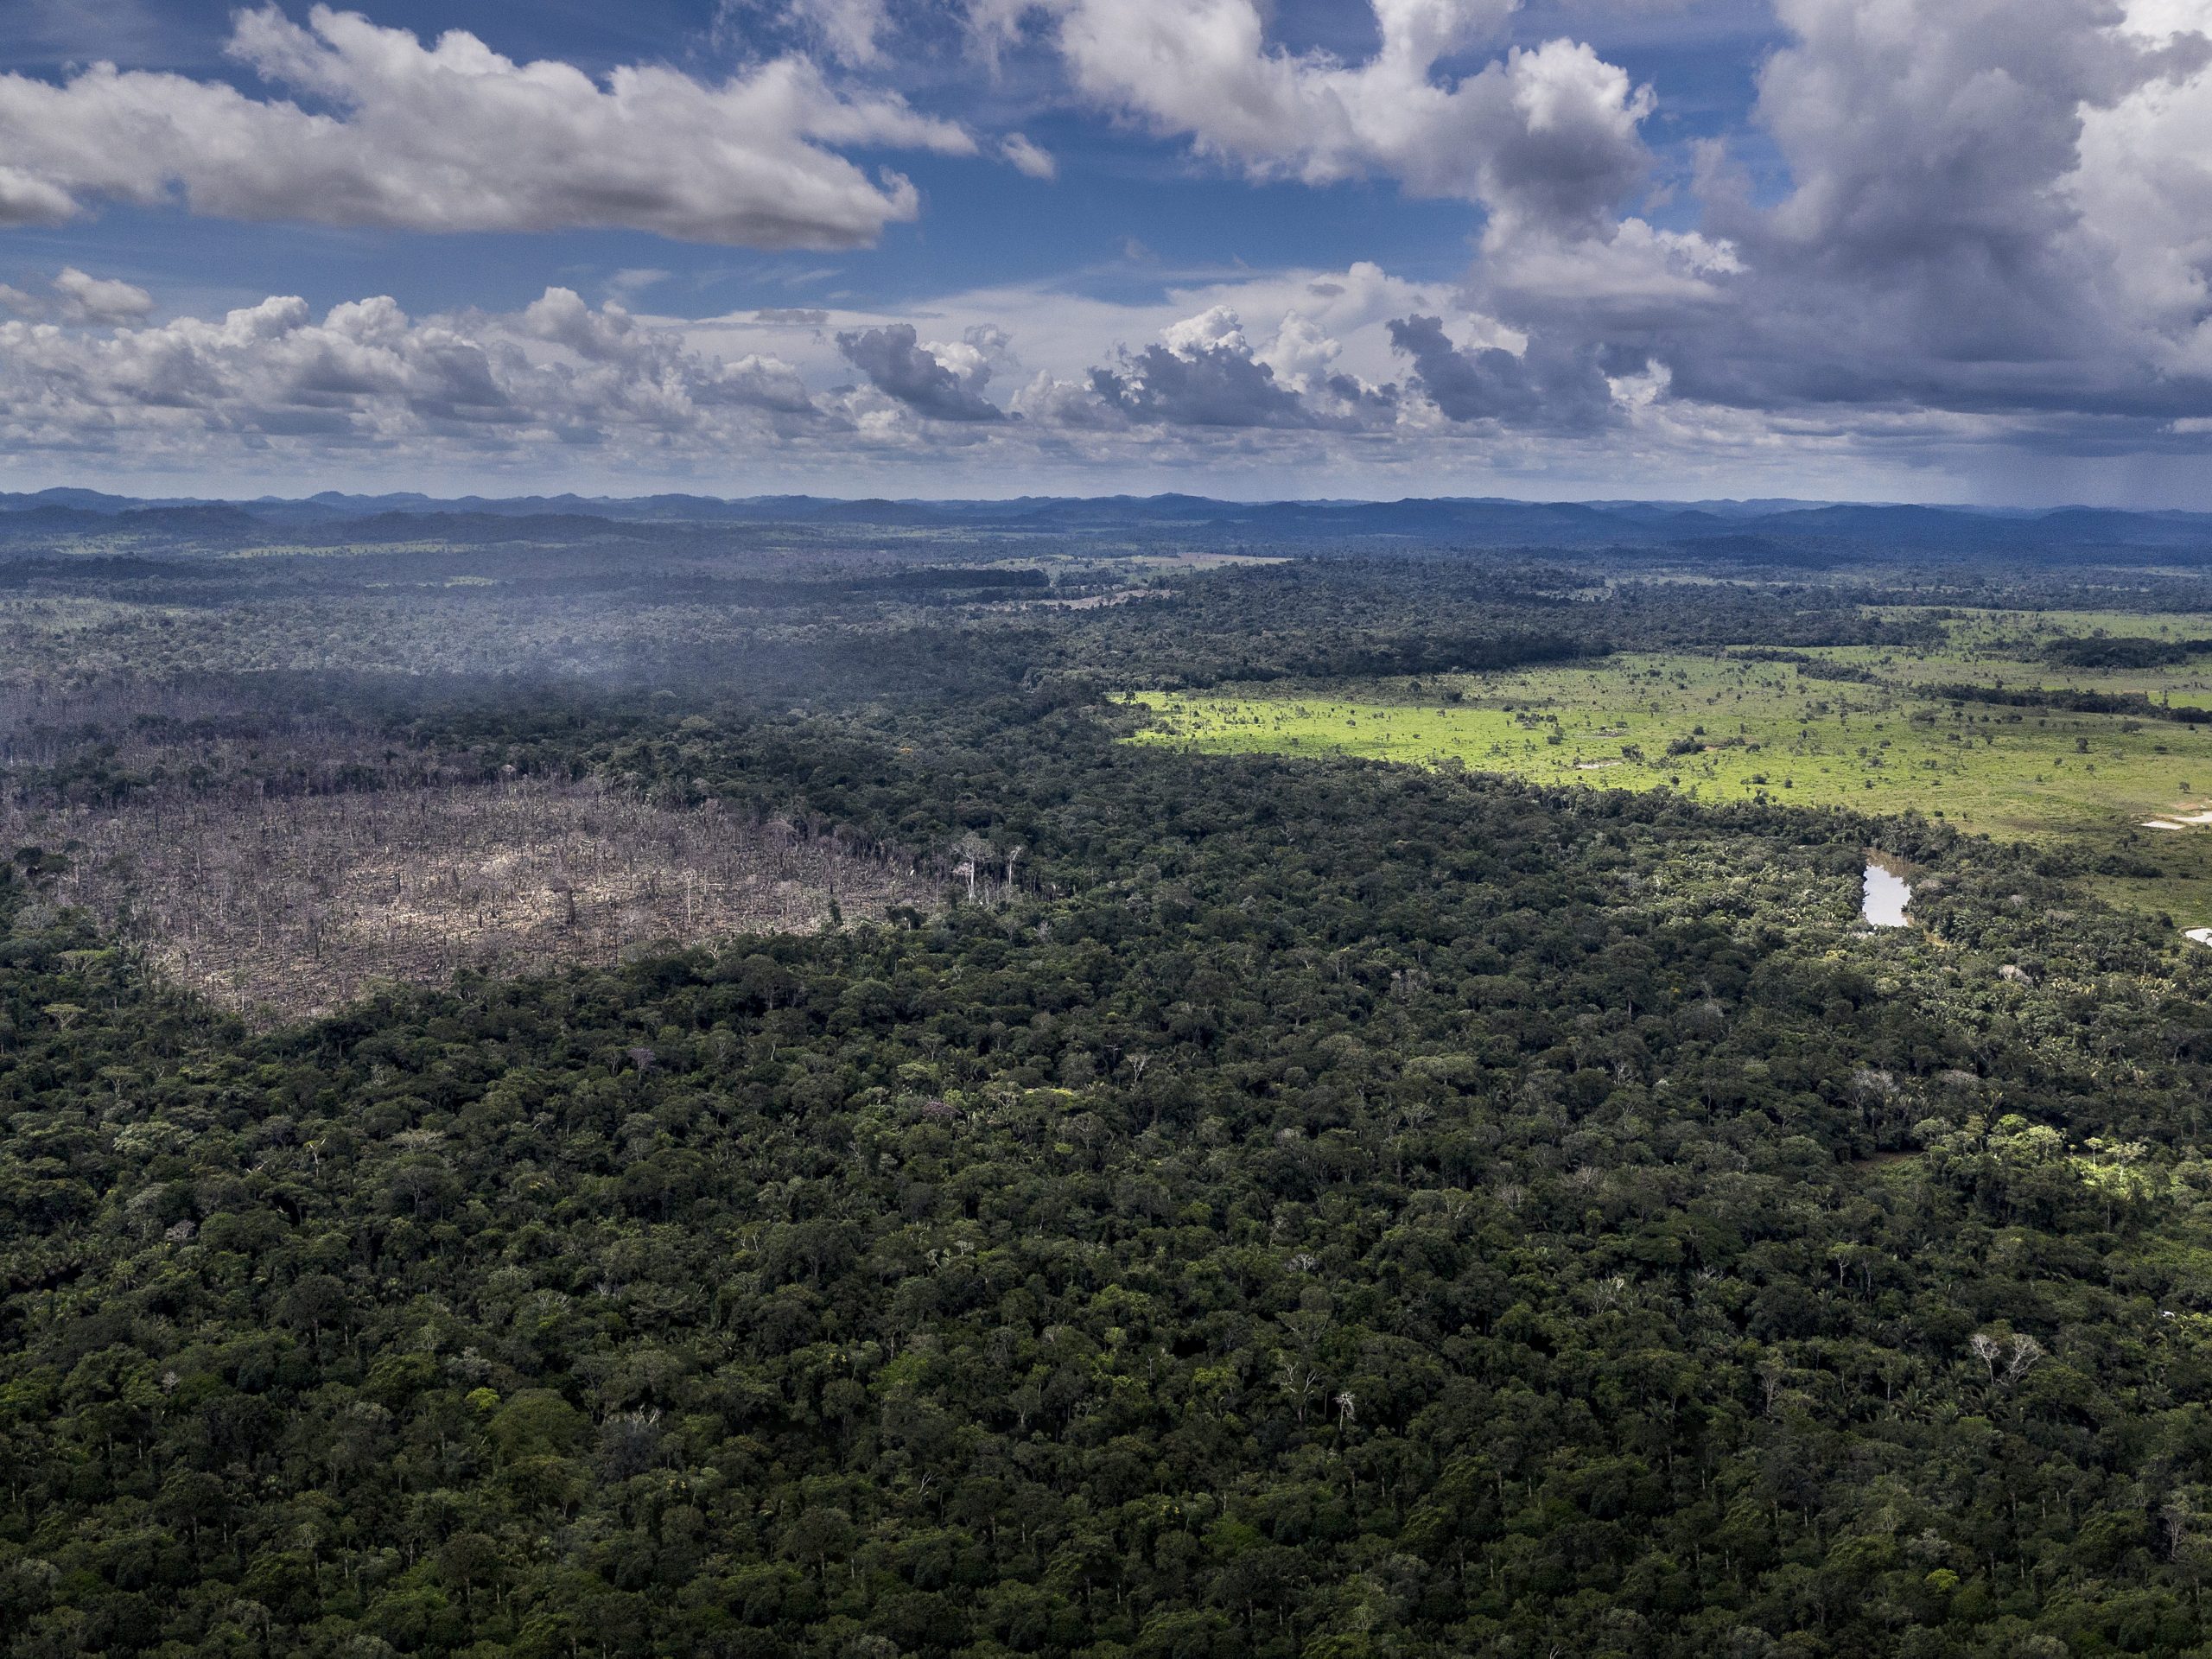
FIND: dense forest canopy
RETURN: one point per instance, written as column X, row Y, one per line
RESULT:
column 1109, row 1200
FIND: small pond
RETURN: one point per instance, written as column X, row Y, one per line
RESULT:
column 1887, row 892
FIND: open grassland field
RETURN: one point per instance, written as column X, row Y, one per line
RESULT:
column 1874, row 729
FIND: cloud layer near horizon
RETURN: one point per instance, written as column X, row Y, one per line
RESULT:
column 1346, row 367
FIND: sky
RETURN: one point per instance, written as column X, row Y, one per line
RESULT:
column 1925, row 250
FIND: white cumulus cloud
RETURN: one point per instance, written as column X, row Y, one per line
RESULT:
column 364, row 377
column 453, row 137
column 1028, row 158
column 74, row 297
column 1547, row 135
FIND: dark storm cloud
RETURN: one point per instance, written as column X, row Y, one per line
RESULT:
column 1537, row 388
column 899, row 367
column 1204, row 386
column 1996, row 207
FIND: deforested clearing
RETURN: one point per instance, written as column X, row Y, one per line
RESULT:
column 290, row 906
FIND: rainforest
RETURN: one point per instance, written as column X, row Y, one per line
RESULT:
column 831, row 1089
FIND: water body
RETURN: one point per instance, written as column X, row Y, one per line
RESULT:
column 1887, row 892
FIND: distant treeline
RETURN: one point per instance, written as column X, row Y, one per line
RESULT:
column 1810, row 668
column 21, row 572
column 964, row 577
column 1421, row 654
column 2124, row 651
column 2076, row 702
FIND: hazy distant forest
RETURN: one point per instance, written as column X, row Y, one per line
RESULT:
column 845, row 1089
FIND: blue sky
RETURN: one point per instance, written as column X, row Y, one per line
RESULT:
column 1117, row 184
column 1936, row 249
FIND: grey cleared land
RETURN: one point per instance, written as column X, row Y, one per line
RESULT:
column 291, row 906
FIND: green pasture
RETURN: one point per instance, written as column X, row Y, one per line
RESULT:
column 1720, row 728
column 2001, row 647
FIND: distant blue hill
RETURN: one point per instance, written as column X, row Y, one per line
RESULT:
column 1722, row 528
